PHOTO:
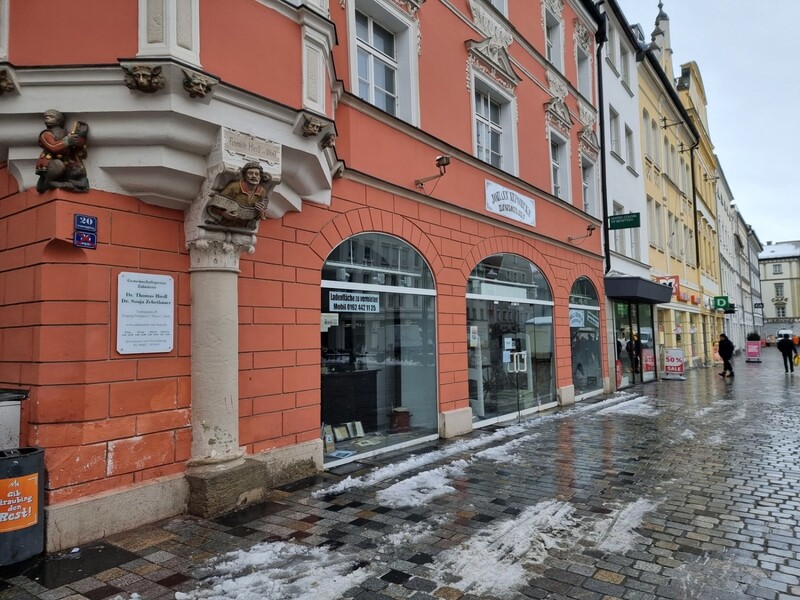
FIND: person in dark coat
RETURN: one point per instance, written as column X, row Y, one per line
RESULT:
column 726, row 354
column 788, row 351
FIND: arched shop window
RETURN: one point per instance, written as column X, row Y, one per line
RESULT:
column 379, row 386
column 584, row 330
column 510, row 339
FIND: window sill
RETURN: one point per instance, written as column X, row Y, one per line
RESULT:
column 627, row 87
column 612, row 65
column 633, row 171
column 618, row 157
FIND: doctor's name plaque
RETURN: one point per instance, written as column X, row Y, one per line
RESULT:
column 145, row 313
column 510, row 204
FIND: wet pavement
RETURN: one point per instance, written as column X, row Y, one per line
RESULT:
column 677, row 489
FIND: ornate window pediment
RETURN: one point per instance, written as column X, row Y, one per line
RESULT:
column 410, row 6
column 582, row 36
column 493, row 60
column 488, row 24
column 557, row 109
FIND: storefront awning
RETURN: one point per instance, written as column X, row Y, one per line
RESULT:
column 637, row 289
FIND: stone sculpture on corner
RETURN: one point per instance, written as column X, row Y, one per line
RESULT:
column 243, row 202
column 197, row 85
column 60, row 165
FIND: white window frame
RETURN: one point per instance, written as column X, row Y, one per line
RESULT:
column 508, row 109
column 559, row 166
column 614, row 142
column 404, row 27
column 588, row 185
column 780, row 311
column 583, row 63
column 625, row 66
column 554, row 39
column 4, row 30
column 500, row 5
column 611, row 47
column 777, row 269
column 659, row 241
column 630, row 149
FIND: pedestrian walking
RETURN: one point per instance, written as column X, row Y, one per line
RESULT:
column 788, row 350
column 726, row 354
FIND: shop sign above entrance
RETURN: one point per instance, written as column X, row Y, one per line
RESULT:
column 721, row 302
column 510, row 204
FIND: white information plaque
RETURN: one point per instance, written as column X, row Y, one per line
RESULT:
column 145, row 313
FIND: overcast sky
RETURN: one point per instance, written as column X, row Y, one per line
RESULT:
column 747, row 55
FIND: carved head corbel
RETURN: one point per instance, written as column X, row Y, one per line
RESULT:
column 144, row 78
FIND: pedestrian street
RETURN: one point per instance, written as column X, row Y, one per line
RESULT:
column 677, row 489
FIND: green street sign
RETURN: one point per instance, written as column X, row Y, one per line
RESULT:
column 627, row 221
column 721, row 302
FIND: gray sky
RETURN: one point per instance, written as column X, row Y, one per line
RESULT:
column 747, row 55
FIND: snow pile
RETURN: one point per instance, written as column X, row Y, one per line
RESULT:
column 617, row 534
column 422, row 488
column 280, row 571
column 493, row 561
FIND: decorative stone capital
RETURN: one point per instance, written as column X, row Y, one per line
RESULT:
column 219, row 251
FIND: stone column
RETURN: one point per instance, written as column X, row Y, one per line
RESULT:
column 215, row 349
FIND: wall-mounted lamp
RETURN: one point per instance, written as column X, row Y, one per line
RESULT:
column 589, row 228
column 664, row 123
column 441, row 163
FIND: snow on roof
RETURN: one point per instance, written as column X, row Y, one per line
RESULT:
column 780, row 250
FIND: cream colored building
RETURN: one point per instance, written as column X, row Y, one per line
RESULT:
column 669, row 138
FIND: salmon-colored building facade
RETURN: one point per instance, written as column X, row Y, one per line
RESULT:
column 426, row 265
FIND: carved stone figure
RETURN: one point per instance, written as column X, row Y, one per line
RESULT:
column 329, row 140
column 144, row 78
column 6, row 82
column 60, row 164
column 243, row 202
column 312, row 126
column 196, row 84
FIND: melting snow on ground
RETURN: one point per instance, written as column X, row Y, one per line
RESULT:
column 617, row 533
column 422, row 488
column 281, row 571
column 635, row 407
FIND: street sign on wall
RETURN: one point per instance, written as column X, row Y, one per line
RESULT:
column 721, row 302
column 626, row 221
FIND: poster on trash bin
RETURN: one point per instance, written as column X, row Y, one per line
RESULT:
column 19, row 498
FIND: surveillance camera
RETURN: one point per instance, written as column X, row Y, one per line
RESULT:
column 442, row 161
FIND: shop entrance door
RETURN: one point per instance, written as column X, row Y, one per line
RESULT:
column 502, row 360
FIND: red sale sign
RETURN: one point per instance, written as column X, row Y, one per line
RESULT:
column 673, row 361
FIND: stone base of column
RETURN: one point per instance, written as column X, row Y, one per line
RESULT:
column 230, row 487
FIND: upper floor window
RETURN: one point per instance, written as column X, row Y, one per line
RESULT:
column 588, row 186
column 384, row 57
column 779, row 290
column 630, row 148
column 559, row 163
column 584, row 73
column 377, row 64
column 611, row 46
column 500, row 5
column 494, row 126
column 777, row 269
column 646, row 130
column 488, row 129
column 613, row 131
column 553, row 40
column 654, row 135
column 625, row 65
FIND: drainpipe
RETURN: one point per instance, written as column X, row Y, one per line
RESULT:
column 601, row 37
column 697, row 238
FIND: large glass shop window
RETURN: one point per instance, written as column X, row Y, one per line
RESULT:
column 379, row 386
column 584, row 330
column 509, row 339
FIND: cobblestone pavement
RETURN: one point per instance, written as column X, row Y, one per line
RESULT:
column 678, row 489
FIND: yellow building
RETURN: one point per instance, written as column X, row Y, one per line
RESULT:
column 705, row 176
column 669, row 139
